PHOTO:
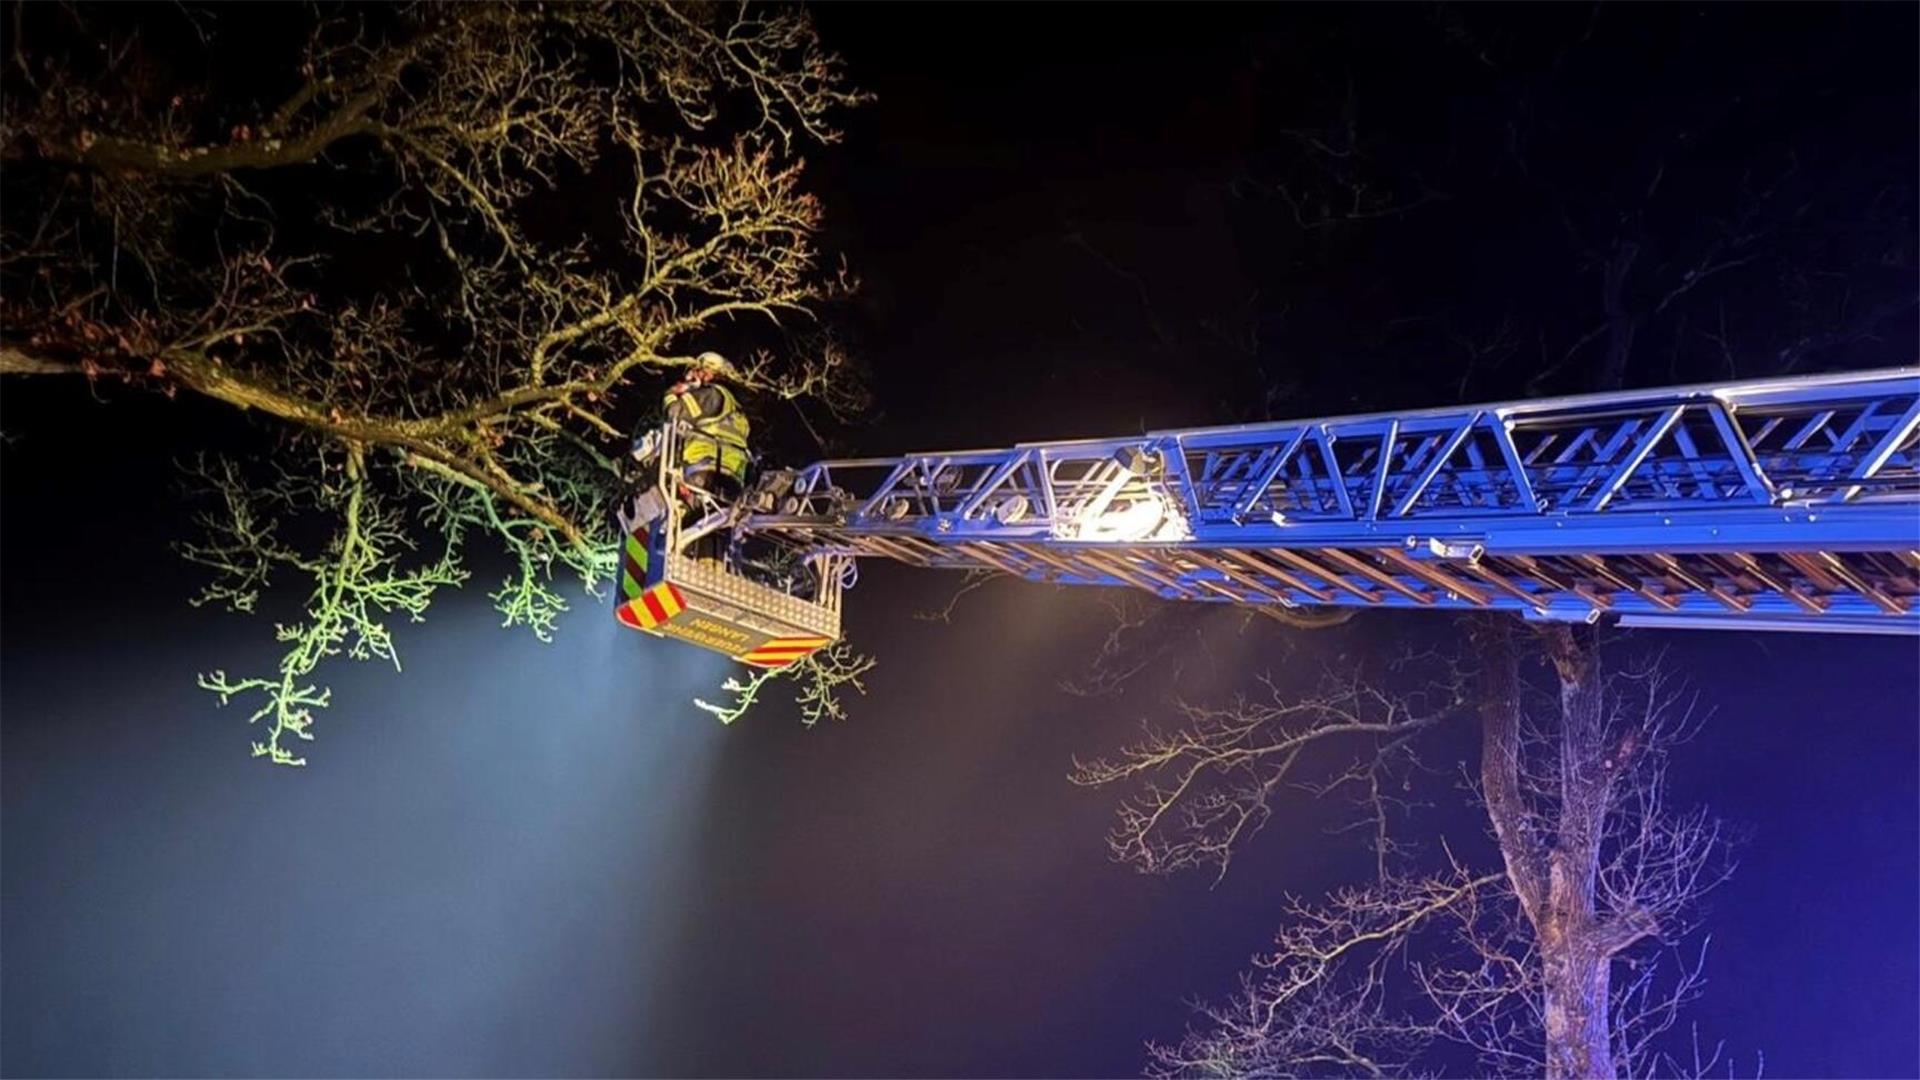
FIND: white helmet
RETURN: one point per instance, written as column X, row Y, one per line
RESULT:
column 713, row 365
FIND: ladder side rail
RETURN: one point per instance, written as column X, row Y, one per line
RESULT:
column 1820, row 465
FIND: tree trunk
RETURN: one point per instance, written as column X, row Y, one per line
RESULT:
column 1576, row 970
column 1577, row 983
column 1554, row 882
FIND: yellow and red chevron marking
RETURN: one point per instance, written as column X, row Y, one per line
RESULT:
column 781, row 651
column 633, row 566
column 652, row 607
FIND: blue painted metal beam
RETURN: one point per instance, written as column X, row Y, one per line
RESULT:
column 1767, row 503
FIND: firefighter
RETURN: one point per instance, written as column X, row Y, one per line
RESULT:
column 713, row 430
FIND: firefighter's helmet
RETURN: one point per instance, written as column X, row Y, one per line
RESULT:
column 714, row 366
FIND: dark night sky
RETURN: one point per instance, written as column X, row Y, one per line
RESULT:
column 517, row 859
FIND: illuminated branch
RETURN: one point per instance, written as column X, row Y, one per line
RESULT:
column 1564, row 961
column 1317, row 1002
column 484, row 388
column 358, row 580
column 1207, row 787
column 820, row 680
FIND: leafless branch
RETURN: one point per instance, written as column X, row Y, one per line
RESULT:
column 486, row 388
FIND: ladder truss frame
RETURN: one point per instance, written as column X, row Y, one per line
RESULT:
column 1778, row 503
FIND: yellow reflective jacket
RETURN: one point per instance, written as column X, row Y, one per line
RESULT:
column 715, row 432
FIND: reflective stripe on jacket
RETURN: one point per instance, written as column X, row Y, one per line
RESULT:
column 718, row 429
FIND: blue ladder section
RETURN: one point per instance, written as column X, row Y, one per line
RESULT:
column 1768, row 504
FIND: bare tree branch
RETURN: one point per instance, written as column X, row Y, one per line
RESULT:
column 484, row 386
column 1599, row 877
